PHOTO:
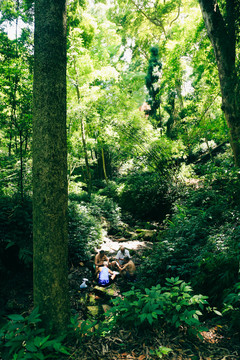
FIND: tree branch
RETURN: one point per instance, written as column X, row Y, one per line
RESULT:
column 178, row 14
column 155, row 20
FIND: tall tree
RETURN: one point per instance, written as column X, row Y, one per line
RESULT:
column 152, row 82
column 223, row 30
column 50, row 165
column 16, row 91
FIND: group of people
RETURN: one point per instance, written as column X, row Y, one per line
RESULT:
column 105, row 270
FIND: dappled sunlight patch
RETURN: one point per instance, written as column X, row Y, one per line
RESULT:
column 212, row 336
column 110, row 245
column 195, row 183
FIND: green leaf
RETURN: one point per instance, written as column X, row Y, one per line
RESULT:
column 16, row 317
column 60, row 348
column 174, row 319
column 165, row 350
column 159, row 312
column 154, row 315
column 142, row 317
column 217, row 312
column 26, row 356
column 40, row 341
column 34, row 316
column 150, row 319
column 178, row 307
column 31, row 347
column 11, row 243
column 39, row 356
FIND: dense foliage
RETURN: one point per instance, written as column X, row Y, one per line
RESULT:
column 22, row 339
column 201, row 240
column 171, row 304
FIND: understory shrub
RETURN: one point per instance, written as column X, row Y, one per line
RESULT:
column 146, row 196
column 104, row 207
column 15, row 231
column 21, row 338
column 218, row 262
column 87, row 223
column 85, row 232
column 171, row 305
column 100, row 206
column 201, row 243
column 110, row 190
column 231, row 305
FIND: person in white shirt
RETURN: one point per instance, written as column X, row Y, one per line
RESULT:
column 121, row 255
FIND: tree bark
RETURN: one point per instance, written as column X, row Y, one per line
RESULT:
column 50, row 196
column 223, row 38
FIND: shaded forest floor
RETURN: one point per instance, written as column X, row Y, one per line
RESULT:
column 218, row 342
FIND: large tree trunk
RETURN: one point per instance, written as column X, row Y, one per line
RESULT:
column 50, row 198
column 223, row 39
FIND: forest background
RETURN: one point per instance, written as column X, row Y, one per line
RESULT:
column 149, row 150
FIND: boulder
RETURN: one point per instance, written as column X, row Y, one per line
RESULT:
column 106, row 292
column 146, row 235
column 94, row 310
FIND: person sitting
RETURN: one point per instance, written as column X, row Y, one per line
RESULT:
column 121, row 255
column 104, row 275
column 99, row 260
column 128, row 269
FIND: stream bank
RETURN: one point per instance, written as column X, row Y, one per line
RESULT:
column 93, row 300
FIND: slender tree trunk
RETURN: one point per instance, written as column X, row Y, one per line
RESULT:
column 10, row 138
column 223, row 39
column 104, row 166
column 50, row 198
column 21, row 165
column 89, row 178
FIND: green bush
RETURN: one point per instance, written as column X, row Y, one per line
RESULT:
column 146, row 196
column 222, row 176
column 15, row 231
column 202, row 245
column 200, row 242
column 110, row 190
column 172, row 304
column 86, row 224
column 103, row 207
column 79, row 196
column 22, row 339
column 231, row 305
column 85, row 232
column 88, row 328
column 217, row 268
